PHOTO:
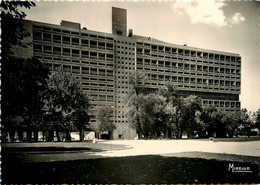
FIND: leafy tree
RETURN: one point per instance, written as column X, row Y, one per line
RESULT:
column 23, row 82
column 209, row 117
column 258, row 120
column 135, row 99
column 65, row 103
column 13, row 31
column 245, row 121
column 173, row 110
column 153, row 117
column 191, row 112
column 80, row 117
column 236, row 123
column 105, row 116
column 220, row 127
column 231, row 122
column 146, row 118
column 170, row 93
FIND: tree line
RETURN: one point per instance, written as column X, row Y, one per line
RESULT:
column 165, row 113
column 35, row 99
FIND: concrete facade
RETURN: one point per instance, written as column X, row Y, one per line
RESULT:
column 104, row 61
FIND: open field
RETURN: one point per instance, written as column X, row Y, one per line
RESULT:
column 131, row 161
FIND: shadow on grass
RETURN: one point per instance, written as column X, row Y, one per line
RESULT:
column 45, row 150
column 135, row 169
column 237, row 139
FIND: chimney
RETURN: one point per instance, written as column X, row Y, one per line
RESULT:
column 130, row 32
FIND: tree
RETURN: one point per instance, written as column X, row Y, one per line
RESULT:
column 65, row 102
column 146, row 117
column 80, row 115
column 152, row 115
column 105, row 122
column 258, row 120
column 81, row 120
column 231, row 122
column 13, row 32
column 191, row 111
column 23, row 82
column 173, row 110
column 245, row 121
column 135, row 99
column 209, row 117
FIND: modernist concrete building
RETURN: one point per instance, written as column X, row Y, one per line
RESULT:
column 104, row 61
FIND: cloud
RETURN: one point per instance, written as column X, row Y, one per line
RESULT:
column 207, row 12
column 237, row 18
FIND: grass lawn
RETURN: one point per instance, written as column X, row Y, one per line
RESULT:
column 134, row 169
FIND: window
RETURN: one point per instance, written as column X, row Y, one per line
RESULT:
column 93, row 71
column 119, row 33
column 84, row 42
column 57, row 50
column 37, row 48
column 56, row 38
column 109, row 57
column 101, row 56
column 47, row 49
column 47, row 37
column 109, row 73
column 75, row 53
column 110, row 98
column 101, row 72
column 93, row 44
column 93, row 55
column 66, row 51
column 75, row 69
column 101, row 45
column 84, row 54
column 75, row 41
column 37, row 36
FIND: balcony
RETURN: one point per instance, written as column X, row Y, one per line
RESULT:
column 75, row 55
column 57, row 52
column 75, row 43
column 66, row 54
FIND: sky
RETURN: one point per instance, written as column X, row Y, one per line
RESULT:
column 230, row 26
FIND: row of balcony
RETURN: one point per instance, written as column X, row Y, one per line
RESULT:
column 150, row 60
column 194, row 87
column 194, row 67
column 155, row 49
column 39, row 30
column 74, row 42
column 227, row 74
column 226, row 104
column 73, row 53
column 187, row 80
column 65, row 61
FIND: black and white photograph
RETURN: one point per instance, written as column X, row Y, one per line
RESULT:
column 130, row 92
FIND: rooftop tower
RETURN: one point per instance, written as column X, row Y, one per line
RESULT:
column 119, row 21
